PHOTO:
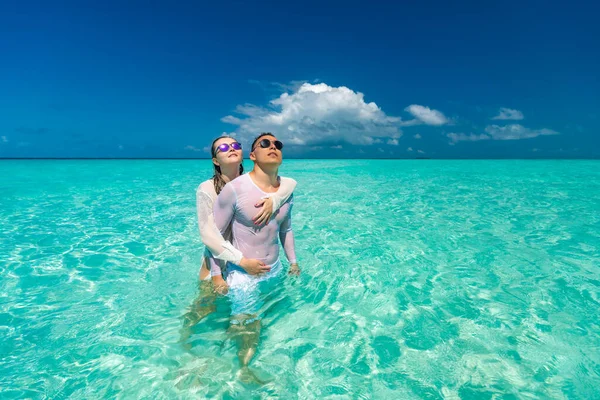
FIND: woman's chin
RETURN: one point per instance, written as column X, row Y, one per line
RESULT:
column 233, row 161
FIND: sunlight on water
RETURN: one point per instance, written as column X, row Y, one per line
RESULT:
column 421, row 279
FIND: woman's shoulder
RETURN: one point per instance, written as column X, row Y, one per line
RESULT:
column 207, row 187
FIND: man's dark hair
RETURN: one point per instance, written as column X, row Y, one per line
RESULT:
column 258, row 138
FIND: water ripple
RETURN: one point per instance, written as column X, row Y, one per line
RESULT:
column 432, row 279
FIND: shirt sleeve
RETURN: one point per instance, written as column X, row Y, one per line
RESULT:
column 209, row 232
column 286, row 235
column 286, row 188
column 224, row 207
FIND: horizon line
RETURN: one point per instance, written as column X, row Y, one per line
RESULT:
column 306, row 158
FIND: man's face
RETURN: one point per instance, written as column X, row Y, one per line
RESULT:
column 267, row 151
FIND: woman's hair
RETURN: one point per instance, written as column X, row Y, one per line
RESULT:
column 217, row 177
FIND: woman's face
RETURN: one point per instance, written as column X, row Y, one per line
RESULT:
column 225, row 154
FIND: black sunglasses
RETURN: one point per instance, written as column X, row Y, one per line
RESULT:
column 266, row 143
column 225, row 147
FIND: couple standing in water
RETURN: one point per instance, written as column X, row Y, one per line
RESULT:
column 242, row 219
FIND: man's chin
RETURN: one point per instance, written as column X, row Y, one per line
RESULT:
column 271, row 162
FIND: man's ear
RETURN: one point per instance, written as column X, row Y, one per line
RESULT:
column 252, row 156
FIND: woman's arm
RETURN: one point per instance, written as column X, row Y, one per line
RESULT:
column 210, row 234
column 286, row 188
column 273, row 201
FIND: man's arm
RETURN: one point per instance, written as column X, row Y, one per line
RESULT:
column 223, row 211
column 286, row 235
column 224, row 207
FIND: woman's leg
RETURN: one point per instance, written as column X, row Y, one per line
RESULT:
column 202, row 306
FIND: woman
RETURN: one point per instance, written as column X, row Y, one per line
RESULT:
column 227, row 163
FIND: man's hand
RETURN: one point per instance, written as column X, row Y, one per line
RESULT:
column 219, row 284
column 294, row 270
column 265, row 213
column 254, row 267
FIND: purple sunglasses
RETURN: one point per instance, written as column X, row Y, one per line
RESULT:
column 225, row 147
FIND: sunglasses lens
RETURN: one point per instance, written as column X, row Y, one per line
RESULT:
column 267, row 143
column 225, row 147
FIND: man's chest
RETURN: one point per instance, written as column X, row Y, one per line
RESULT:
column 244, row 213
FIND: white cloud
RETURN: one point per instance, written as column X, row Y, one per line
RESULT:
column 420, row 151
column 393, row 142
column 515, row 132
column 417, row 136
column 461, row 137
column 508, row 113
column 192, row 148
column 230, row 119
column 496, row 132
column 4, row 139
column 281, row 87
column 425, row 115
column 409, row 149
column 339, row 146
column 317, row 114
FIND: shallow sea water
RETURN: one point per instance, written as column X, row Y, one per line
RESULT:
column 421, row 279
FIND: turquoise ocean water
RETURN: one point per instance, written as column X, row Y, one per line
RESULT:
column 421, row 279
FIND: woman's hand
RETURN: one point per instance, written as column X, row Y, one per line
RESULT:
column 265, row 213
column 254, row 267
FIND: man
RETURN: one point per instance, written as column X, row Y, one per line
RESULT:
column 235, row 206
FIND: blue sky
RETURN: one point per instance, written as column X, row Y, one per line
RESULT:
column 335, row 79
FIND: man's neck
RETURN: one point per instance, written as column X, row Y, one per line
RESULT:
column 265, row 178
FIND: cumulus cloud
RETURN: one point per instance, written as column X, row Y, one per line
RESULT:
column 393, row 142
column 409, row 149
column 515, row 132
column 4, row 139
column 417, row 136
column 508, row 113
column 318, row 114
column 425, row 115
